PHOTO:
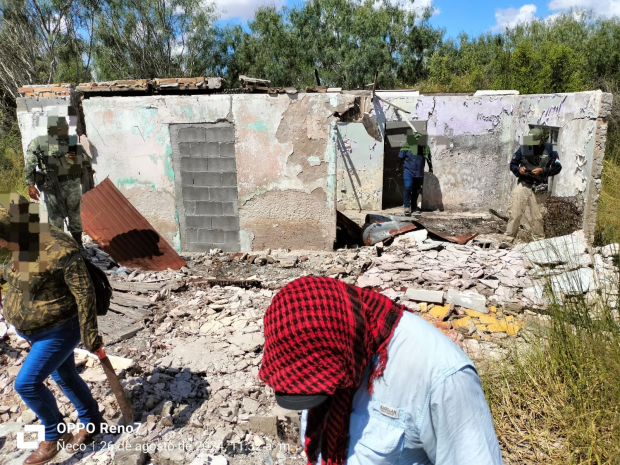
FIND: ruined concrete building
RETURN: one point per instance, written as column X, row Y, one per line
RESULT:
column 248, row 171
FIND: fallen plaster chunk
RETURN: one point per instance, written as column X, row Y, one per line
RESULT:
column 569, row 249
column 206, row 459
column 492, row 283
column 369, row 281
column 468, row 299
column 417, row 236
column 610, row 250
column 118, row 363
column 247, row 342
column 423, row 295
column 574, row 282
column 430, row 245
column 94, row 375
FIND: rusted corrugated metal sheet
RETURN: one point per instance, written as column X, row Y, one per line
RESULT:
column 115, row 224
column 378, row 228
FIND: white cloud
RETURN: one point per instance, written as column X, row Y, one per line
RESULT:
column 605, row 8
column 63, row 23
column 243, row 9
column 509, row 17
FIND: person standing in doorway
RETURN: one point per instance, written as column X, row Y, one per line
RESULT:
column 413, row 157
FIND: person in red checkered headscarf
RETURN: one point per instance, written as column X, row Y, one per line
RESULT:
column 358, row 363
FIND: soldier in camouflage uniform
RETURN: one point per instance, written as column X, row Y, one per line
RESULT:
column 51, row 303
column 56, row 149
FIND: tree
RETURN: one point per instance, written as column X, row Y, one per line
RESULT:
column 145, row 39
column 41, row 42
column 347, row 41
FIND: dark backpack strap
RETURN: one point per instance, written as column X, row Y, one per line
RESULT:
column 72, row 259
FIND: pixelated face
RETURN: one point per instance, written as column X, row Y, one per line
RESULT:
column 58, row 123
column 57, row 126
column 24, row 233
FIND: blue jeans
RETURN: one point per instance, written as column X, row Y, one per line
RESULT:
column 413, row 185
column 52, row 354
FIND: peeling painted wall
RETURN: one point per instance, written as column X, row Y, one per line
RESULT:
column 285, row 154
column 472, row 139
column 360, row 168
column 286, row 159
column 296, row 163
column 469, row 139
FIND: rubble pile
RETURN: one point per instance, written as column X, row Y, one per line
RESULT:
column 191, row 371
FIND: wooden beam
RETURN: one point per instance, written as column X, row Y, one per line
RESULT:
column 392, row 105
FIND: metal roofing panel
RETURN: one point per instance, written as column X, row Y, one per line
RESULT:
column 115, row 224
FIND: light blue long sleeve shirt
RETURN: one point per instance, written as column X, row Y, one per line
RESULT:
column 427, row 408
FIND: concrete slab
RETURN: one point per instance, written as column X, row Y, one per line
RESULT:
column 574, row 282
column 468, row 299
column 569, row 249
column 610, row 250
column 423, row 295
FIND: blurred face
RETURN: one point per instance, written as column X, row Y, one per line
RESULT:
column 60, row 131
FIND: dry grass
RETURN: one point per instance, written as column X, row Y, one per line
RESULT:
column 608, row 219
column 557, row 402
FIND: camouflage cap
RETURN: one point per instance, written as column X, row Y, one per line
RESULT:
column 536, row 134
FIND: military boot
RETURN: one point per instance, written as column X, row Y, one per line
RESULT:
column 78, row 237
column 48, row 450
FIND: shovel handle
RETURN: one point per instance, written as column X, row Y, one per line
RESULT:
column 100, row 353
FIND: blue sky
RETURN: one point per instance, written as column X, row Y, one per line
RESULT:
column 455, row 16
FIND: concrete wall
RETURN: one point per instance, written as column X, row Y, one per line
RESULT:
column 295, row 162
column 581, row 119
column 284, row 152
column 472, row 139
column 469, row 137
column 360, row 168
column 206, row 177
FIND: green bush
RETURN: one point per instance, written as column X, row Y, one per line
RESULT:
column 12, row 161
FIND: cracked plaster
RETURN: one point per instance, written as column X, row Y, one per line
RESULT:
column 290, row 143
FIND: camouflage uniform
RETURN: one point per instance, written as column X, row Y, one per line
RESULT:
column 52, row 293
column 69, row 172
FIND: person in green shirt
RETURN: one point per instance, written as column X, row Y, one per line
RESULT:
column 60, row 152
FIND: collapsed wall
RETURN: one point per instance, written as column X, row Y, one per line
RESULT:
column 472, row 139
column 236, row 172
column 256, row 171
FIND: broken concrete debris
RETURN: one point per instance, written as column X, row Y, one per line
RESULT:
column 423, row 295
column 191, row 371
column 379, row 228
column 468, row 299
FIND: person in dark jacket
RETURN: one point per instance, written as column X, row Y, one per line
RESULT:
column 533, row 163
column 413, row 157
column 51, row 303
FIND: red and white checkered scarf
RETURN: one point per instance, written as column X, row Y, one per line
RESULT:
column 320, row 335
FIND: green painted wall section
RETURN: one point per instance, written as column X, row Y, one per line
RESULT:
column 128, row 183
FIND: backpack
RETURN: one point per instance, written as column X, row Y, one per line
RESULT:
column 103, row 290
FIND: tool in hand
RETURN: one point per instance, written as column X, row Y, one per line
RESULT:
column 115, row 384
